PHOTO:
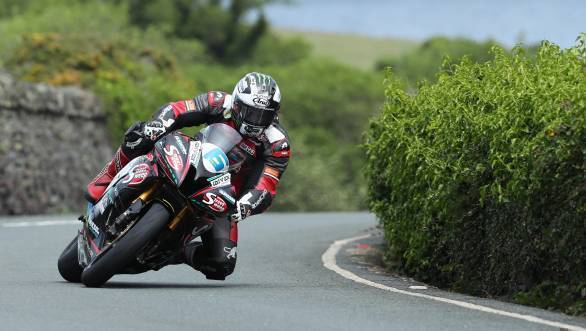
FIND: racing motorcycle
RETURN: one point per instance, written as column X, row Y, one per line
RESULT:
column 177, row 188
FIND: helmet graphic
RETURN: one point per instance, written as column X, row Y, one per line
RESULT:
column 256, row 101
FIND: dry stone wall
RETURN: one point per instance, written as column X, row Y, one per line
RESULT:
column 52, row 142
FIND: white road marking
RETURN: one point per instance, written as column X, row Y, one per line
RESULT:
column 37, row 223
column 417, row 287
column 329, row 261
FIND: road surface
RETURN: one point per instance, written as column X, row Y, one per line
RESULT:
column 280, row 283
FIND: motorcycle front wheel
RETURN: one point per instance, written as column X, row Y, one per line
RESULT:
column 126, row 247
column 68, row 264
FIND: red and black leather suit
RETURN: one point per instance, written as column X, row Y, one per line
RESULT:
column 264, row 161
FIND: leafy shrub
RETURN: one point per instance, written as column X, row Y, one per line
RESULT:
column 479, row 179
column 424, row 62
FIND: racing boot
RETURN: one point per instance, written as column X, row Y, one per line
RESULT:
column 97, row 187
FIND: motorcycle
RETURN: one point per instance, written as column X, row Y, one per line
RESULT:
column 177, row 188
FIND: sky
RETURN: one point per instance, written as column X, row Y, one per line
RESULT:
column 507, row 21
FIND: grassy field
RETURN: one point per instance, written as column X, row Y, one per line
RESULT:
column 356, row 50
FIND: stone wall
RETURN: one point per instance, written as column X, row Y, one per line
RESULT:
column 52, row 142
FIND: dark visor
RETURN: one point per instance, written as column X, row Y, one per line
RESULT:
column 256, row 116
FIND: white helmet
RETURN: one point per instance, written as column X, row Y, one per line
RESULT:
column 256, row 102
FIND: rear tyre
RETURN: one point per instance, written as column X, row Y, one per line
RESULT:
column 124, row 250
column 68, row 263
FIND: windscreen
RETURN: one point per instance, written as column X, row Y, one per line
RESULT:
column 220, row 135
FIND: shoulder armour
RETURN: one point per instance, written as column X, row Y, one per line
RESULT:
column 273, row 134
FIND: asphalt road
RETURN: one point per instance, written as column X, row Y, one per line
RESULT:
column 280, row 283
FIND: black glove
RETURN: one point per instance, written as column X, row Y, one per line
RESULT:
column 243, row 208
column 154, row 129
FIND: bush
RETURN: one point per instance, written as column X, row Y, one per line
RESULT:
column 424, row 62
column 479, row 179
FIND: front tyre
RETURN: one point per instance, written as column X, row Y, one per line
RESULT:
column 125, row 249
column 68, row 263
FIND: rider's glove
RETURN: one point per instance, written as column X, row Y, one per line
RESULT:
column 243, row 210
column 154, row 129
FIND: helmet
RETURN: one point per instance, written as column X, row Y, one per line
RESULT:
column 256, row 101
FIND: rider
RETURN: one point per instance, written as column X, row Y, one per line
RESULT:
column 252, row 110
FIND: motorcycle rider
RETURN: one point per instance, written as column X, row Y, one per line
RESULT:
column 252, row 109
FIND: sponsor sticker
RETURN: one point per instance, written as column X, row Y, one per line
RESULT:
column 137, row 174
column 214, row 159
column 228, row 197
column 218, row 181
column 173, row 157
column 95, row 229
column 215, row 202
column 248, row 149
column 180, row 144
column 194, row 148
column 261, row 101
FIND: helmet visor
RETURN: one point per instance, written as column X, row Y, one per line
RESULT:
column 256, row 116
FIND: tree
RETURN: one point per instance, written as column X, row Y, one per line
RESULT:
column 219, row 25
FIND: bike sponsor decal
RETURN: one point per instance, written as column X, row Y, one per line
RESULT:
column 180, row 143
column 173, row 157
column 231, row 252
column 214, row 159
column 95, row 229
column 100, row 207
column 215, row 202
column 221, row 180
column 194, row 148
column 227, row 197
column 137, row 174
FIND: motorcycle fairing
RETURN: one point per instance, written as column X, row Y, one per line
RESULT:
column 173, row 153
column 215, row 200
column 126, row 185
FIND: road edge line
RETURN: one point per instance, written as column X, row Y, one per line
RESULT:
column 329, row 261
column 36, row 223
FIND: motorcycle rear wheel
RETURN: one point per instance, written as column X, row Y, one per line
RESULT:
column 68, row 264
column 125, row 248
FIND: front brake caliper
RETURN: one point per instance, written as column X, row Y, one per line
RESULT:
column 122, row 221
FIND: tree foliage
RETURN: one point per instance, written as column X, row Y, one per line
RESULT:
column 221, row 28
column 135, row 70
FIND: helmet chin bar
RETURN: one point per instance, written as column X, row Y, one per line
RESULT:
column 251, row 130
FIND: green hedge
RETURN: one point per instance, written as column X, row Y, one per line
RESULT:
column 480, row 179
